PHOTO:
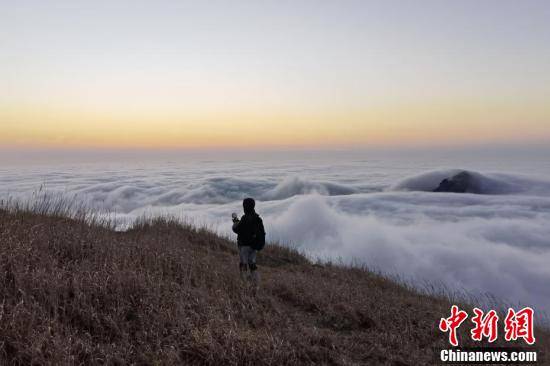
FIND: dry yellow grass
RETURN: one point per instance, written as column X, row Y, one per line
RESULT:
column 163, row 293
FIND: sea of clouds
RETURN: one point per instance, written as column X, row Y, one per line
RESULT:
column 377, row 212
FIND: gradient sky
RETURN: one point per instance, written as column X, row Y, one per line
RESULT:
column 186, row 74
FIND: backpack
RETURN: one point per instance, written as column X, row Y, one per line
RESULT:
column 258, row 240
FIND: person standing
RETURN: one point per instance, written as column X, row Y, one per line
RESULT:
column 250, row 239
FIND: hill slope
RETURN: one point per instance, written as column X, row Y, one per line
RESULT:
column 164, row 293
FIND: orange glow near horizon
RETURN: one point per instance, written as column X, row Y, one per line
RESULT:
column 393, row 125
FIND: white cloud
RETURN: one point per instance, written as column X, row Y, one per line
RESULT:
column 497, row 242
column 506, row 256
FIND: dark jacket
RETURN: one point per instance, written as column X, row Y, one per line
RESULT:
column 247, row 228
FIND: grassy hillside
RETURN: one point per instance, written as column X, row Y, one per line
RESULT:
column 163, row 293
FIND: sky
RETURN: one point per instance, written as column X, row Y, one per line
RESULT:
column 273, row 74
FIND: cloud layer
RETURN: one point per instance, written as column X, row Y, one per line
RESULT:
column 497, row 242
column 477, row 244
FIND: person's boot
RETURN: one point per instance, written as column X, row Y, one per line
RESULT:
column 254, row 277
column 244, row 271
